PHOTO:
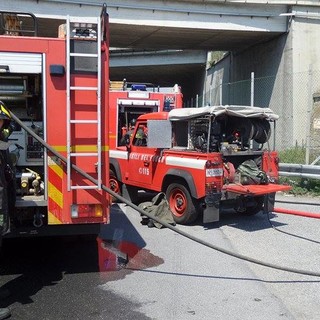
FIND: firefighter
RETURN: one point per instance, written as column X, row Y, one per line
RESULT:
column 125, row 139
column 6, row 183
column 140, row 138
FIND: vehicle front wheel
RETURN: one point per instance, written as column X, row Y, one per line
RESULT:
column 181, row 204
column 115, row 185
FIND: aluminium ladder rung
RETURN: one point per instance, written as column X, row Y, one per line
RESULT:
column 83, row 187
column 83, row 154
column 82, row 20
column 84, row 121
column 84, row 55
column 84, row 88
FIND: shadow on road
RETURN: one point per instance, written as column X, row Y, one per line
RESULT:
column 252, row 223
column 30, row 265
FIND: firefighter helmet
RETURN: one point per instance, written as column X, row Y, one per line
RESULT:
column 4, row 112
column 5, row 115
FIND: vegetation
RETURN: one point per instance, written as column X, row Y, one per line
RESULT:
column 294, row 155
column 300, row 186
column 214, row 57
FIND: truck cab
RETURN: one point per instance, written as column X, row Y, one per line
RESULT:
column 194, row 156
column 129, row 100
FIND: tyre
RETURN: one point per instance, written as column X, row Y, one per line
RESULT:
column 262, row 130
column 182, row 205
column 251, row 206
column 115, row 185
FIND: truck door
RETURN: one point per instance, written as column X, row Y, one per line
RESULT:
column 141, row 158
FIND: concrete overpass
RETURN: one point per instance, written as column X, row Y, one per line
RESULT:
column 153, row 25
column 162, row 25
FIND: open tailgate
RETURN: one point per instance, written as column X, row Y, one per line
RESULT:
column 255, row 189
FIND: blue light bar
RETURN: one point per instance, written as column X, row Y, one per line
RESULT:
column 139, row 87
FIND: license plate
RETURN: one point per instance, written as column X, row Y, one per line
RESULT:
column 214, row 172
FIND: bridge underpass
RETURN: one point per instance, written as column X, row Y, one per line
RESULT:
column 142, row 26
column 165, row 68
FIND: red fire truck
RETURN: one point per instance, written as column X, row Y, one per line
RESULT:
column 57, row 87
column 129, row 100
column 194, row 155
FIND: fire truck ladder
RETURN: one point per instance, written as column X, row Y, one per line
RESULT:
column 77, row 30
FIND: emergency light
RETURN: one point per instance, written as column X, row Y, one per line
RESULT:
column 139, row 87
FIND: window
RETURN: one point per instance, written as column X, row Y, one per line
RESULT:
column 140, row 138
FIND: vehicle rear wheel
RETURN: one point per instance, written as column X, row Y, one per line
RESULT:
column 181, row 204
column 252, row 206
column 115, row 184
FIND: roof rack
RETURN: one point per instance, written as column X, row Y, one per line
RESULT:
column 16, row 23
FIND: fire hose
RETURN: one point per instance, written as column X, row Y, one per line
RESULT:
column 165, row 224
column 297, row 213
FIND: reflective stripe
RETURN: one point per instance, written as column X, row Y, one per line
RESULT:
column 174, row 161
column 118, row 154
column 185, row 162
column 52, row 219
column 55, row 195
column 80, row 148
column 55, row 167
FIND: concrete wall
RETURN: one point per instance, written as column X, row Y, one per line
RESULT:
column 287, row 74
column 305, row 31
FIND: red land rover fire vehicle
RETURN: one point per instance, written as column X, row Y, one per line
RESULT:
column 127, row 101
column 194, row 155
column 57, row 87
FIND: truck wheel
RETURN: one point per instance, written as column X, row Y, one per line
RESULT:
column 181, row 204
column 253, row 206
column 115, row 184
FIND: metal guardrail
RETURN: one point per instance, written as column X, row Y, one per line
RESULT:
column 299, row 170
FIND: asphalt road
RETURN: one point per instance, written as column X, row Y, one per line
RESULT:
column 168, row 276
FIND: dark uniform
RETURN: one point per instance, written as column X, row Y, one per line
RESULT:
column 4, row 208
column 126, row 137
column 6, row 172
column 6, row 182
